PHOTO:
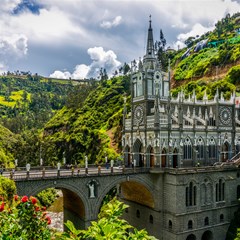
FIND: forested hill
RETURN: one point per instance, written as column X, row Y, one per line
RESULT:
column 27, row 102
column 89, row 127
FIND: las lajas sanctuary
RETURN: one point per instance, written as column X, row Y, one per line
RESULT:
column 192, row 149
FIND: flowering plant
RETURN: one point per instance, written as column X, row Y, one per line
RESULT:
column 22, row 218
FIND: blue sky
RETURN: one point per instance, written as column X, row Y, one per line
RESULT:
column 75, row 38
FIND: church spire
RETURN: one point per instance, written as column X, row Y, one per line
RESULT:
column 150, row 43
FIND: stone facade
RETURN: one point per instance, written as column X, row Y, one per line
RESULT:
column 192, row 147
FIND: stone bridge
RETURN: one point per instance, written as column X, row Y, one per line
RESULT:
column 83, row 194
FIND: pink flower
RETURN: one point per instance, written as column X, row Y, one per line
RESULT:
column 24, row 199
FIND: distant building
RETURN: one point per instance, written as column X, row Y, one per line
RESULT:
column 192, row 148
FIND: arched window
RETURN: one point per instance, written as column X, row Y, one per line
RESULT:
column 138, row 214
column 187, row 149
column 200, row 148
column 190, row 224
column 151, row 219
column 170, row 224
column 220, row 191
column 206, row 221
column 221, row 218
column 191, row 194
column 212, row 149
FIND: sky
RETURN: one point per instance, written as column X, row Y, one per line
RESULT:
column 76, row 38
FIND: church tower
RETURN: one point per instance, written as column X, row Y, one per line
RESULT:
column 149, row 83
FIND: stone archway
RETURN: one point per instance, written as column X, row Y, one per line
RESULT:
column 137, row 153
column 208, row 235
column 191, row 237
column 76, row 206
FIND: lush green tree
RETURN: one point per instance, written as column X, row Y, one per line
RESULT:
column 109, row 226
column 233, row 75
column 161, row 51
column 47, row 196
column 7, row 188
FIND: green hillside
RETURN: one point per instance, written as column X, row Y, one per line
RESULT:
column 208, row 61
column 29, row 101
column 92, row 129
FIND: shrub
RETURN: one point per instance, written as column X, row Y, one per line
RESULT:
column 233, row 75
column 22, row 219
column 47, row 197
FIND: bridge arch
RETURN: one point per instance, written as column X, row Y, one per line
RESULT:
column 76, row 205
column 141, row 188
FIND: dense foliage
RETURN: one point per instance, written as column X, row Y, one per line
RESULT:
column 47, row 197
column 199, row 87
column 93, row 129
column 7, row 189
column 8, row 147
column 109, row 226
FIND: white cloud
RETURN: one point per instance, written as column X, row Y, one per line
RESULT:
column 61, row 75
column 100, row 59
column 81, row 71
column 49, row 26
column 109, row 24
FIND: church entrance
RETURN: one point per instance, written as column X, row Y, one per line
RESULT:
column 164, row 158
column 138, row 154
column 175, row 158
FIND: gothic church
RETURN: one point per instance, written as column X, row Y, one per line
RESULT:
column 191, row 147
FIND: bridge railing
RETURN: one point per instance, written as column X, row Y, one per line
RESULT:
column 73, row 172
